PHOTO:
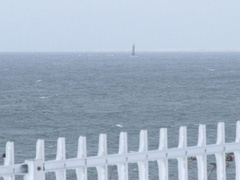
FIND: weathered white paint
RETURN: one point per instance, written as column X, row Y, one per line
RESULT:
column 81, row 172
column 102, row 168
column 40, row 152
column 35, row 169
column 183, row 160
column 9, row 159
column 202, row 159
column 163, row 163
column 220, row 157
column 123, row 149
column 61, row 156
column 143, row 148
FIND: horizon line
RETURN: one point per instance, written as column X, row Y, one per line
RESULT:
column 127, row 51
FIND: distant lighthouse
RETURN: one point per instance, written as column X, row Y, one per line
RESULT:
column 133, row 50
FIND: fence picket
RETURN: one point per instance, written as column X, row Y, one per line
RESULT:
column 82, row 154
column 123, row 149
column 61, row 155
column 40, row 152
column 183, row 161
column 9, row 159
column 143, row 147
column 35, row 169
column 202, row 159
column 221, row 157
column 163, row 163
column 102, row 170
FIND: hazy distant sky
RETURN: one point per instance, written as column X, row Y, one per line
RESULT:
column 114, row 25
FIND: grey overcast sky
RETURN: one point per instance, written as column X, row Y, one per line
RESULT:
column 114, row 25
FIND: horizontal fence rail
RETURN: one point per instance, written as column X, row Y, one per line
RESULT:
column 35, row 169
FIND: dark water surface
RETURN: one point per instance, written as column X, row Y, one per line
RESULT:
column 51, row 95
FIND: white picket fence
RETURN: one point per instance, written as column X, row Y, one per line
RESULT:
column 35, row 169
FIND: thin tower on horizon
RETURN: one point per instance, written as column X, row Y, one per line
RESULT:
column 133, row 50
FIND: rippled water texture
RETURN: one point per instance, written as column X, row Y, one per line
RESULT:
column 51, row 95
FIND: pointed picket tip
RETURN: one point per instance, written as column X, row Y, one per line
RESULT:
column 182, row 143
column 102, row 146
column 9, row 155
column 221, row 133
column 143, row 141
column 163, row 141
column 40, row 152
column 202, row 135
column 61, row 149
column 82, row 147
column 123, row 143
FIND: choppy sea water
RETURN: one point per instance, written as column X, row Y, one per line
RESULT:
column 51, row 95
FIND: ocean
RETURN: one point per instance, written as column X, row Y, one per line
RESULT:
column 51, row 95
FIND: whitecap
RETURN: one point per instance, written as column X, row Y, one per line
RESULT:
column 39, row 80
column 44, row 97
column 119, row 125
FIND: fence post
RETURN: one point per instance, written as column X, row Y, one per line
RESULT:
column 143, row 147
column 35, row 170
column 202, row 159
column 163, row 163
column 183, row 161
column 221, row 157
